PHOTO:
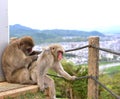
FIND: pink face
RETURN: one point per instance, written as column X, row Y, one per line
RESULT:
column 60, row 55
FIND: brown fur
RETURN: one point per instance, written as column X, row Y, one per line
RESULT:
column 16, row 60
column 12, row 39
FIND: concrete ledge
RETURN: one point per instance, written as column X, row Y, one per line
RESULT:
column 15, row 91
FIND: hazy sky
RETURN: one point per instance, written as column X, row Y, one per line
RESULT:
column 64, row 14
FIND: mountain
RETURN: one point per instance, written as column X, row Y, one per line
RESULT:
column 55, row 35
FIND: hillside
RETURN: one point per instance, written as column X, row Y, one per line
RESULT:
column 55, row 35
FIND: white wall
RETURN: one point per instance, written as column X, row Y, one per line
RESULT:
column 4, row 35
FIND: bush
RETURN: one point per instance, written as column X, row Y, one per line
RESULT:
column 112, row 82
column 76, row 89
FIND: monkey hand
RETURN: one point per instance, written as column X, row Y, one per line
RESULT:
column 73, row 77
column 35, row 53
column 34, row 57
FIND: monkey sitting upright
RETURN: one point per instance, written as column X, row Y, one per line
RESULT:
column 49, row 58
column 16, row 60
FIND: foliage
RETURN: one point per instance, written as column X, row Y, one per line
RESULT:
column 68, row 89
column 78, row 89
column 112, row 82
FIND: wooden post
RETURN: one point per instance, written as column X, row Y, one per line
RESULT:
column 3, row 30
column 93, row 68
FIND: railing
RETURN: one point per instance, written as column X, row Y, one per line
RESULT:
column 93, row 70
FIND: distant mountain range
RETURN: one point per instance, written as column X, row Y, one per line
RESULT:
column 55, row 35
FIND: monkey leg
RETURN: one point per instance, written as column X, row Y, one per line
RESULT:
column 50, row 90
column 22, row 76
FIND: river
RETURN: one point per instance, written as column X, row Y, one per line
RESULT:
column 102, row 67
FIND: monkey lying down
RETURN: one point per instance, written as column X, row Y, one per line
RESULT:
column 49, row 58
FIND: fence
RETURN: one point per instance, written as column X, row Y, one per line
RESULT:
column 93, row 68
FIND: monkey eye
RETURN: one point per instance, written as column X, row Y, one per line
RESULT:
column 29, row 49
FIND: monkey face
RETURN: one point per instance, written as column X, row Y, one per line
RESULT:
column 57, row 51
column 27, row 49
column 59, row 55
column 26, row 45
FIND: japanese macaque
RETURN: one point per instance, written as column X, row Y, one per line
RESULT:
column 16, row 60
column 49, row 58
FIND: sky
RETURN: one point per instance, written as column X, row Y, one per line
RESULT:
column 64, row 14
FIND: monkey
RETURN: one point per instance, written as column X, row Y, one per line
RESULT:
column 16, row 60
column 49, row 58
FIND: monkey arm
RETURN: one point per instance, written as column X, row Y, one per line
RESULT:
column 35, row 53
column 27, row 61
column 59, row 69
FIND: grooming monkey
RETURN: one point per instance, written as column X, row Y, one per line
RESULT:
column 16, row 60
